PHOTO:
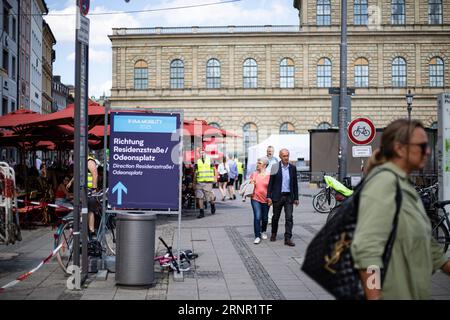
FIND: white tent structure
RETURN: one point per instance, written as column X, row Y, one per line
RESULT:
column 297, row 144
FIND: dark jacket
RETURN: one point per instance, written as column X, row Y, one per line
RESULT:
column 276, row 179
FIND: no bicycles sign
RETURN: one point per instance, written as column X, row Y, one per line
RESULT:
column 361, row 131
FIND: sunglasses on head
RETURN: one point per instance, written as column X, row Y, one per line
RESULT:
column 423, row 146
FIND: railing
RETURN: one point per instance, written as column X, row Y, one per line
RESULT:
column 206, row 29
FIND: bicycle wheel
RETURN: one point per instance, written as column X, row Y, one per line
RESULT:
column 109, row 238
column 65, row 254
column 441, row 234
column 185, row 265
column 320, row 202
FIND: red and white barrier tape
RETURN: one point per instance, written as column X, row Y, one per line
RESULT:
column 44, row 204
column 29, row 273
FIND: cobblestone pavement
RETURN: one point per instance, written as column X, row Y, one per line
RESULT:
column 229, row 266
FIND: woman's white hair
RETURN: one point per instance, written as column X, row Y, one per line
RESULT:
column 264, row 160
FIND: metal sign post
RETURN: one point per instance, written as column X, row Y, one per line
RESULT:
column 444, row 146
column 81, row 146
column 343, row 143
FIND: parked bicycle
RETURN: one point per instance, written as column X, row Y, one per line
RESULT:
column 440, row 224
column 103, row 244
column 168, row 260
column 329, row 197
column 429, row 196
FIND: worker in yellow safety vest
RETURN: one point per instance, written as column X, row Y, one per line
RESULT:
column 240, row 167
column 205, row 177
column 92, row 184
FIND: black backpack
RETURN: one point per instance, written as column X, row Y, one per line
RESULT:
column 328, row 259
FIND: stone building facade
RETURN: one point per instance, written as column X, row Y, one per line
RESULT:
column 260, row 80
column 48, row 57
column 24, row 55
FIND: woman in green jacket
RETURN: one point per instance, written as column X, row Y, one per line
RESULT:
column 415, row 254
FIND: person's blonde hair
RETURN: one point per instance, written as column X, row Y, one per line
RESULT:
column 398, row 131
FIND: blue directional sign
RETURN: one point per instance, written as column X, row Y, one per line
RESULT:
column 144, row 154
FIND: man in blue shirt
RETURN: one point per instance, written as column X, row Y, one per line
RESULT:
column 272, row 161
column 282, row 192
column 233, row 174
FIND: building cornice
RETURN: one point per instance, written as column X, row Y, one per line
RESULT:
column 266, row 93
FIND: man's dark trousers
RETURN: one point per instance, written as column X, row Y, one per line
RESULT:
column 287, row 203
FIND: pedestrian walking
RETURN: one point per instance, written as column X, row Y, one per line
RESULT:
column 233, row 175
column 204, row 179
column 240, row 167
column 415, row 254
column 224, row 171
column 282, row 192
column 272, row 161
column 271, row 158
column 260, row 180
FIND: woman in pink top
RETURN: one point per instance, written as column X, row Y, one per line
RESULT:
column 259, row 199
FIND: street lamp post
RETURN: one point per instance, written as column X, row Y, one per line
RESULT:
column 409, row 100
column 343, row 145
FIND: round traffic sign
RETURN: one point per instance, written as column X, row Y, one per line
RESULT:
column 361, row 131
column 84, row 7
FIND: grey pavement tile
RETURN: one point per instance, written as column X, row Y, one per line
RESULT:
column 96, row 297
column 13, row 296
column 181, row 297
column 281, row 276
column 215, row 297
column 292, row 282
column 192, row 292
column 325, row 297
column 440, row 291
column 237, row 297
column 244, row 292
column 233, row 271
column 130, row 297
column 183, row 284
column 100, row 291
column 438, row 297
column 45, row 294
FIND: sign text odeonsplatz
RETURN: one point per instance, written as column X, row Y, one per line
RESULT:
column 144, row 170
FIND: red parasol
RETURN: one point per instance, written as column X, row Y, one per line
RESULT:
column 18, row 118
column 67, row 116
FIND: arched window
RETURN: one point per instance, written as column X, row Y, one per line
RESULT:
column 250, row 72
column 177, row 74
column 140, row 75
column 287, row 73
column 436, row 70
column 324, row 73
column 215, row 125
column 324, row 125
column 250, row 131
column 398, row 12
column 360, row 12
column 361, row 73
column 323, row 16
column 434, row 125
column 399, row 72
column 435, row 11
column 287, row 128
column 213, row 74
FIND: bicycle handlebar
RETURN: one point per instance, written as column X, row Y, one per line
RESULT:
column 442, row 204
